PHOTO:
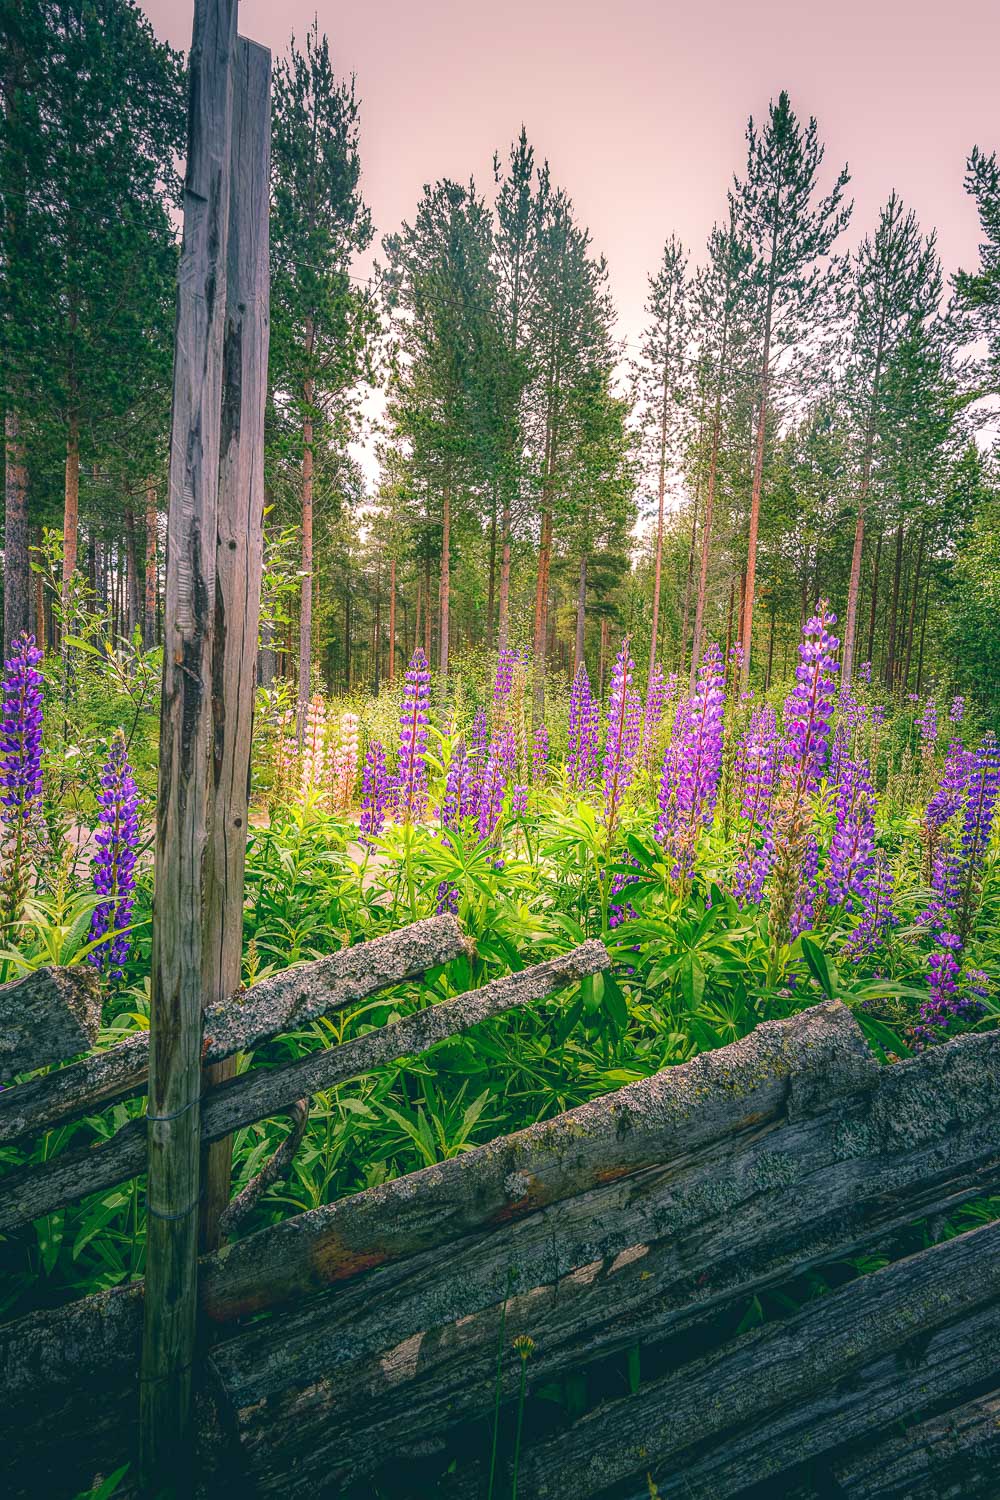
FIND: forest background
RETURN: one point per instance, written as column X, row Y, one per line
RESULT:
column 465, row 446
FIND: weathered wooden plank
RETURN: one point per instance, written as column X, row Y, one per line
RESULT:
column 46, row 1016
column 278, row 1003
column 956, row 1453
column 647, row 1123
column 184, row 946
column 33, row 1190
column 238, row 561
column 411, row 1348
column 394, row 1359
column 829, row 1341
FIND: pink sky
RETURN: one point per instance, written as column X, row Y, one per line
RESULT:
column 640, row 106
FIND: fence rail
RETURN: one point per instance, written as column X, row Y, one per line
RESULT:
column 627, row 1239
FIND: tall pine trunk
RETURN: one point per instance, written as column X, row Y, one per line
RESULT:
column 689, row 575
column 873, row 611
column 746, row 630
column 16, row 568
column 149, row 599
column 503, row 601
column 706, row 525
column 392, row 620
column 661, row 494
column 913, row 605
column 581, row 613
column 491, row 594
column 131, row 574
column 890, row 655
column 306, row 593
column 71, row 506
column 854, row 584
column 444, row 594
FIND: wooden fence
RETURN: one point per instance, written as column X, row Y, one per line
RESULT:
column 661, row 1249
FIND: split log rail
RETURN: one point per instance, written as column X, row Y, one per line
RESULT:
column 655, row 1246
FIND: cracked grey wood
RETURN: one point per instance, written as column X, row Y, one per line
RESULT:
column 46, row 1016
column 742, row 1176
column 631, row 1261
column 183, row 942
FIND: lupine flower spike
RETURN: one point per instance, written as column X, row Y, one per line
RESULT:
column 20, row 768
column 117, row 840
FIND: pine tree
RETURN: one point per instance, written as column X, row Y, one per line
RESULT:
column 321, row 327
column 790, row 233
column 719, row 293
column 897, row 283
column 521, row 211
column 439, row 283
column 571, row 331
column 660, row 381
column 978, row 292
column 95, row 289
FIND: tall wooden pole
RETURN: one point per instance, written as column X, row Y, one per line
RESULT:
column 181, row 945
column 239, row 558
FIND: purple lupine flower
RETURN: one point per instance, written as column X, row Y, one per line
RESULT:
column 478, row 753
column 519, row 799
column 752, row 870
column 809, row 705
column 951, row 788
column 491, row 795
column 946, row 1008
column 414, row 718
column 20, row 767
column 540, row 753
column 447, row 898
column 879, row 913
column 624, row 729
column 852, row 849
column 804, row 913
column 877, row 715
column 807, row 713
column 656, row 698
column 506, row 748
column 977, row 823
column 504, row 680
column 942, row 867
column 581, row 757
column 376, row 787
column 689, row 785
column 117, row 839
column 864, row 672
column 455, row 789
column 838, row 753
column 21, row 733
column 956, row 712
column 927, row 725
column 756, row 764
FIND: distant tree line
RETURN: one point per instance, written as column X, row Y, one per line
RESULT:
column 796, row 419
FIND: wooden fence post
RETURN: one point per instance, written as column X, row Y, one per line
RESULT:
column 239, row 558
column 181, row 939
